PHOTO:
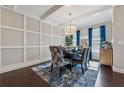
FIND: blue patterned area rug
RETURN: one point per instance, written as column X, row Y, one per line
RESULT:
column 75, row 78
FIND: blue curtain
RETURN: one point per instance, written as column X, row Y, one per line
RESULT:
column 78, row 37
column 90, row 41
column 102, row 34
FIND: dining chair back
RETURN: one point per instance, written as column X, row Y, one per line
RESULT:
column 57, row 58
column 84, row 55
column 56, row 54
column 88, row 55
column 81, row 60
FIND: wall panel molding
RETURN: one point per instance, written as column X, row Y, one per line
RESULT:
column 25, row 47
column 8, row 68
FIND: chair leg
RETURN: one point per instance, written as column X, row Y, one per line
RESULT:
column 51, row 67
column 85, row 66
column 82, row 69
column 70, row 66
column 60, row 71
column 72, row 63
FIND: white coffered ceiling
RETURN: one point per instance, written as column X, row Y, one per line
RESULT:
column 82, row 15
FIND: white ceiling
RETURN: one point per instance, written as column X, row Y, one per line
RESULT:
column 96, row 18
column 36, row 10
column 61, row 16
column 82, row 15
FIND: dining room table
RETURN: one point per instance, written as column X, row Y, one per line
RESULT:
column 72, row 53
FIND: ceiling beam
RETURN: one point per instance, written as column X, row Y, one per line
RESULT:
column 11, row 6
column 50, row 11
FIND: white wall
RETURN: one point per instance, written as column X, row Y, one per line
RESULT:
column 24, row 40
column 118, row 51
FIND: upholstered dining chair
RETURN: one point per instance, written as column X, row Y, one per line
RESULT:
column 88, row 55
column 81, row 60
column 58, row 59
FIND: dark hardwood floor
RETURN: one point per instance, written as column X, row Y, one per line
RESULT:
column 27, row 78
column 108, row 78
column 22, row 78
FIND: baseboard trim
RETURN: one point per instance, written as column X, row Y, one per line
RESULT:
column 8, row 68
column 119, row 70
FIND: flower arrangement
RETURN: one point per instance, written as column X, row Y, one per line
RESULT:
column 106, row 44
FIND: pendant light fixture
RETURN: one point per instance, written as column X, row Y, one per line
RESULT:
column 70, row 29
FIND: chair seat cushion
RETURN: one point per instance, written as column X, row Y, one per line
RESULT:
column 76, row 59
column 66, row 62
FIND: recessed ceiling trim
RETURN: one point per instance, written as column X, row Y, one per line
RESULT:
column 50, row 11
column 88, row 14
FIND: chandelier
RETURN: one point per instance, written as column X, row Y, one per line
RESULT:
column 70, row 29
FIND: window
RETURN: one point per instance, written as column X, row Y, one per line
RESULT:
column 95, row 43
